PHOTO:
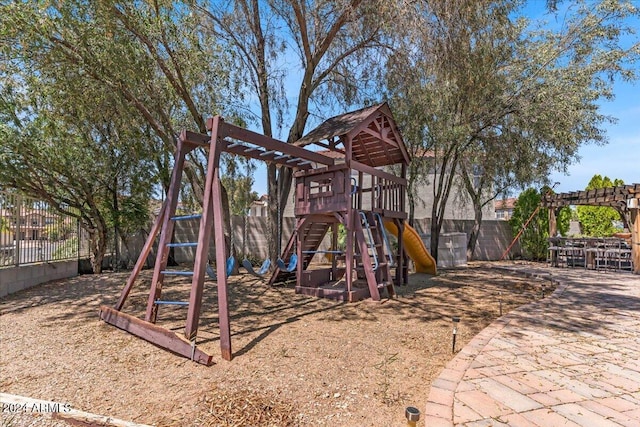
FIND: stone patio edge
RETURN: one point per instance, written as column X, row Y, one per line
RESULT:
column 439, row 407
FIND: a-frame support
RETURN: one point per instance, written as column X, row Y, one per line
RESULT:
column 164, row 224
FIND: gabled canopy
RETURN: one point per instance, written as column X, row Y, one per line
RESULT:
column 375, row 138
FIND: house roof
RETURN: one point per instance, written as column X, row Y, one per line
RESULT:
column 375, row 138
column 504, row 204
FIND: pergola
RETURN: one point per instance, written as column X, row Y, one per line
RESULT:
column 625, row 199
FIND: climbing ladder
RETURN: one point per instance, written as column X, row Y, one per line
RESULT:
column 372, row 261
column 184, row 345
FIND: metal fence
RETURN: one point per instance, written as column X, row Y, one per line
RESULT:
column 31, row 231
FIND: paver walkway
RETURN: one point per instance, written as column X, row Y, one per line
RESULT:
column 571, row 359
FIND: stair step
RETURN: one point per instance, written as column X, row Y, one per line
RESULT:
column 182, row 245
column 380, row 264
column 186, row 217
column 177, row 273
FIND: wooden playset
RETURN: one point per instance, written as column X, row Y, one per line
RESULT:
column 342, row 185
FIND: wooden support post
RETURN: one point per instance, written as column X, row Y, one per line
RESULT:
column 221, row 258
column 401, row 278
column 553, row 225
column 146, row 249
column 334, row 247
column 348, row 225
column 165, row 234
column 635, row 239
column 204, row 236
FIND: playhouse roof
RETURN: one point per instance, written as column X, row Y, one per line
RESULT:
column 376, row 140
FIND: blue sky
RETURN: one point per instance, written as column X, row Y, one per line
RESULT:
column 619, row 158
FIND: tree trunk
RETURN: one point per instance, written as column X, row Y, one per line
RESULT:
column 116, row 225
column 475, row 230
column 412, row 203
column 97, row 247
column 273, row 213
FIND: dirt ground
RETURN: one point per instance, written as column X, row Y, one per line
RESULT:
column 298, row 361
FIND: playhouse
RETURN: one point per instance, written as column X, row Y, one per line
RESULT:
column 354, row 180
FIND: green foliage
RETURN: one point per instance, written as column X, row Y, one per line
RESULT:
column 499, row 101
column 598, row 221
column 93, row 97
column 534, row 238
column 238, row 181
column 69, row 249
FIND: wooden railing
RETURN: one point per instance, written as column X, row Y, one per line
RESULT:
column 334, row 188
column 321, row 190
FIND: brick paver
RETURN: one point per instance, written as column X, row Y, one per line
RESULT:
column 571, row 359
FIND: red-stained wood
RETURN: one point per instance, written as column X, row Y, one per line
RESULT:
column 204, row 235
column 165, row 234
column 268, row 143
column 146, row 249
column 221, row 251
column 365, row 259
column 377, row 172
column 154, row 334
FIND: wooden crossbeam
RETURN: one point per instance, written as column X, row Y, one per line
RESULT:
column 610, row 196
column 154, row 334
column 235, row 132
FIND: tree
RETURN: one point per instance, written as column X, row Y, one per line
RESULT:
column 598, row 221
column 486, row 93
column 149, row 65
column 534, row 238
column 337, row 45
column 59, row 154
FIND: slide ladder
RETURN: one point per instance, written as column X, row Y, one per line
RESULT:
column 373, row 261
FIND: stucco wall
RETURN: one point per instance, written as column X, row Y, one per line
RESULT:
column 14, row 279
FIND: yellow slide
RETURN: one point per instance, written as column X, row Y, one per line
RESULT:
column 421, row 257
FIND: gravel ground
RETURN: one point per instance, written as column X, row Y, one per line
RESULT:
column 298, row 361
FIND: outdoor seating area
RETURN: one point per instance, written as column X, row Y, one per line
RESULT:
column 608, row 253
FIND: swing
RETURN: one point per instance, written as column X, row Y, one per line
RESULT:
column 261, row 272
column 245, row 262
column 293, row 261
column 231, row 263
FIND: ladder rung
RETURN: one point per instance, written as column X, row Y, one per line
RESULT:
column 158, row 302
column 266, row 153
column 282, row 156
column 182, row 245
column 185, row 217
column 177, row 273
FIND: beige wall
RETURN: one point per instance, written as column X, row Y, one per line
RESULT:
column 494, row 238
column 14, row 279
